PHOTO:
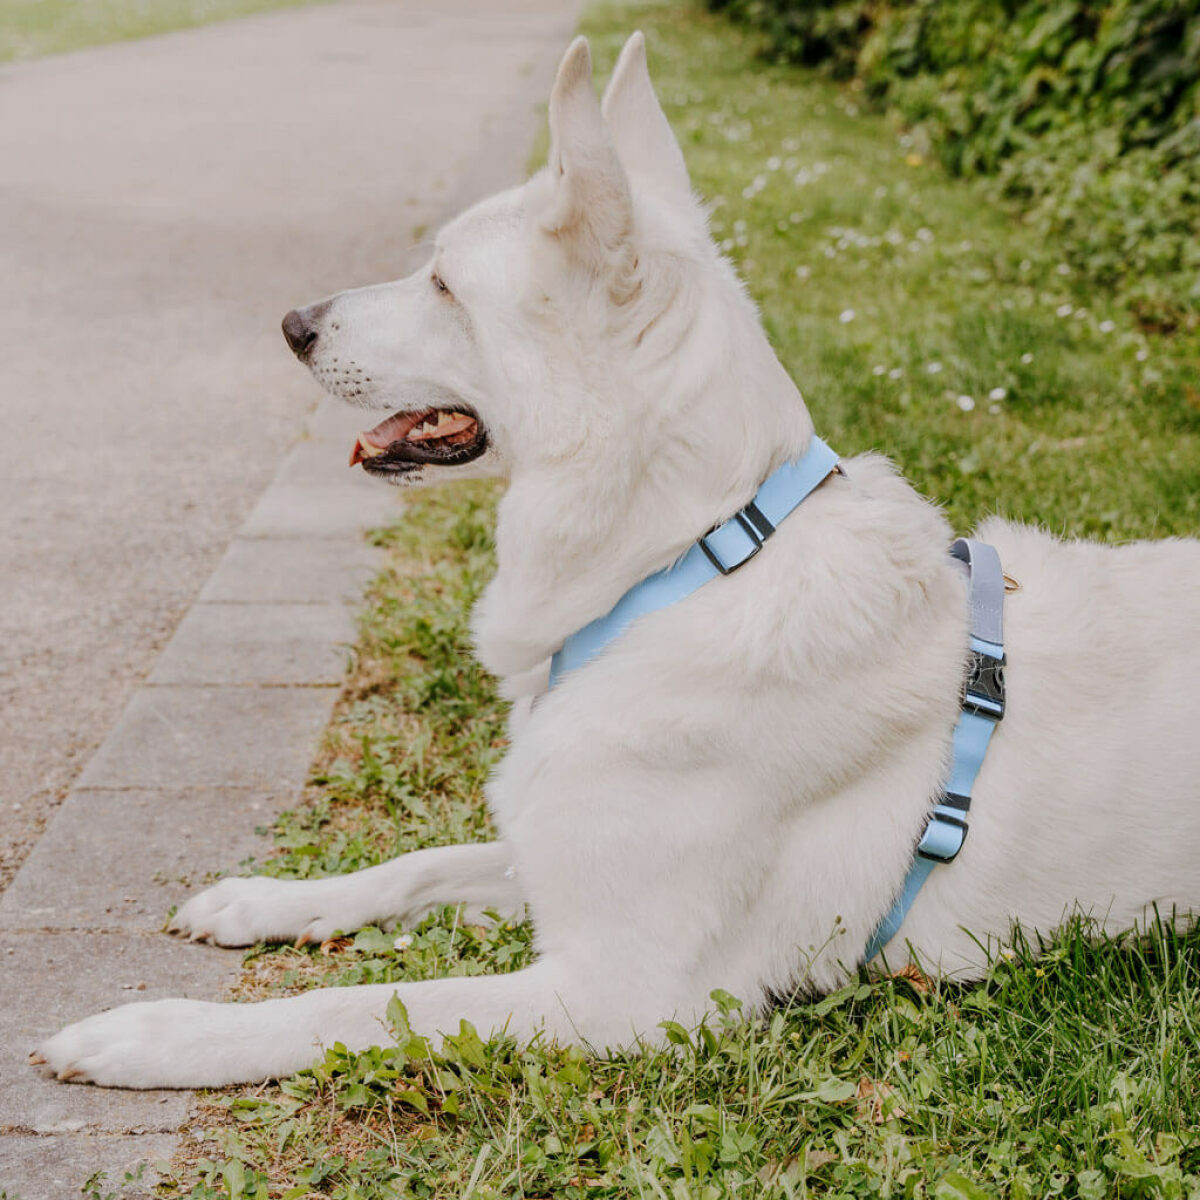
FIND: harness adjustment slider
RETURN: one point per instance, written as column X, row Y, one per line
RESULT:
column 984, row 691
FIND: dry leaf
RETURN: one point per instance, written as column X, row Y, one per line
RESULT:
column 872, row 1095
column 919, row 981
column 335, row 945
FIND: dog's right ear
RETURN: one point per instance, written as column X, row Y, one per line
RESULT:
column 590, row 211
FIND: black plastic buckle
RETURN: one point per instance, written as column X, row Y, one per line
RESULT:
column 984, row 693
column 757, row 528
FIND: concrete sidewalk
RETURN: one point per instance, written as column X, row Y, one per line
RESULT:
column 168, row 200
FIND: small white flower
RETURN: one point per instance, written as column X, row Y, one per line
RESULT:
column 1107, row 326
column 1025, row 265
column 403, row 941
column 998, row 394
column 966, row 403
column 879, row 369
column 739, row 226
column 895, row 372
column 803, row 272
column 1142, row 354
column 795, row 218
column 925, row 235
column 1063, row 269
column 741, row 240
column 1027, row 358
column 880, row 192
column 773, row 163
column 994, row 409
column 933, row 368
column 847, row 315
column 1064, row 310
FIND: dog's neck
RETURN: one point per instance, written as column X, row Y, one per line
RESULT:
column 574, row 537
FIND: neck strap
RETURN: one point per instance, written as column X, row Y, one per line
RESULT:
column 721, row 551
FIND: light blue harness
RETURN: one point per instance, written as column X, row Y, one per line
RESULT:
column 734, row 543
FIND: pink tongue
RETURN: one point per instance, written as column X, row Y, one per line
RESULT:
column 383, row 435
column 389, row 431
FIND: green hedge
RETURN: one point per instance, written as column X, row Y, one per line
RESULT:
column 1086, row 111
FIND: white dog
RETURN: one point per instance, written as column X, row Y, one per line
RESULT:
column 730, row 795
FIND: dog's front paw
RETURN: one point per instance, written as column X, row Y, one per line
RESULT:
column 162, row 1043
column 241, row 912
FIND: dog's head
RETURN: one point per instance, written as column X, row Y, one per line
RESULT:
column 538, row 305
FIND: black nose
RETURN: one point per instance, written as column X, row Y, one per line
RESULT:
column 301, row 331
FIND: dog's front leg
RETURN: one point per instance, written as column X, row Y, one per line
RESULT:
column 240, row 912
column 191, row 1043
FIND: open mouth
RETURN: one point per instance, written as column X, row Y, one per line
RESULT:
column 443, row 437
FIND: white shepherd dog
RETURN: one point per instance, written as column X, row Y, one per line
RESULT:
column 730, row 795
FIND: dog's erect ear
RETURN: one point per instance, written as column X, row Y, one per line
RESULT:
column 645, row 142
column 591, row 208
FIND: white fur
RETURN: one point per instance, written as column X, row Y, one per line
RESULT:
column 729, row 797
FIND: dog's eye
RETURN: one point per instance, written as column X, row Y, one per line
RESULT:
column 440, row 284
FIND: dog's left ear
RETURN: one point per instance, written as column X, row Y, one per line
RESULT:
column 590, row 212
column 644, row 139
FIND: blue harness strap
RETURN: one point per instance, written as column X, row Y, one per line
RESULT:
column 719, row 552
column 982, row 709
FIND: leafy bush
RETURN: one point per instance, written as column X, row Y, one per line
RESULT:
column 1086, row 111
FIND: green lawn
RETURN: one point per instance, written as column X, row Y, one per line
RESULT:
column 30, row 28
column 919, row 320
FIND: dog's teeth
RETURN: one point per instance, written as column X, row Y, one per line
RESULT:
column 367, row 449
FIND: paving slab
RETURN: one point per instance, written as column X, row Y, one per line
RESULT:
column 292, row 571
column 297, row 511
column 334, row 421
column 53, row 1168
column 120, row 859
column 268, row 644
column 51, row 978
column 324, row 462
column 175, row 737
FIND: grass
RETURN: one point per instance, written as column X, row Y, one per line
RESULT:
column 31, row 28
column 920, row 321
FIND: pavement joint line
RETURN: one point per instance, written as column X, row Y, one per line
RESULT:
column 235, row 685
column 97, row 930
column 162, row 791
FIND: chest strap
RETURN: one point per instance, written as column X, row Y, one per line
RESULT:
column 719, row 552
column 982, row 709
